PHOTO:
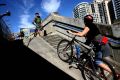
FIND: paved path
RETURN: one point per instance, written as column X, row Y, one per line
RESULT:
column 46, row 51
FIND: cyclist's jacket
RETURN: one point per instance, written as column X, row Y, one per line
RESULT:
column 38, row 21
column 96, row 38
column 93, row 32
column 94, row 35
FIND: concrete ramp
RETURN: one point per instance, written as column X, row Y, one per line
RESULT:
column 45, row 50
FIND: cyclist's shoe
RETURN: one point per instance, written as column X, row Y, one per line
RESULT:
column 73, row 60
column 73, row 65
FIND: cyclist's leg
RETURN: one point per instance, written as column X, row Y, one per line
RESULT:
column 100, row 63
column 39, row 29
column 106, row 54
column 35, row 33
column 39, row 32
column 92, row 71
column 106, row 51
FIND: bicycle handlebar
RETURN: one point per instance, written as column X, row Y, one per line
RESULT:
column 82, row 43
column 72, row 34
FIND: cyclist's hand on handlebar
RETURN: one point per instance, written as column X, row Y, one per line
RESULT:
column 68, row 31
column 72, row 31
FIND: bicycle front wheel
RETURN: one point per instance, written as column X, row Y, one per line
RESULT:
column 92, row 71
column 64, row 50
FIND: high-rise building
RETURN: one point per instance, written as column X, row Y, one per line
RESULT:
column 101, row 12
column 116, row 5
column 107, row 19
column 95, row 10
column 81, row 10
column 111, row 11
column 4, row 30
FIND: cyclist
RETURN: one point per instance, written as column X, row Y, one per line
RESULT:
column 37, row 22
column 21, row 35
column 92, row 34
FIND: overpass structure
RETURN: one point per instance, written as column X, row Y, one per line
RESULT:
column 55, row 27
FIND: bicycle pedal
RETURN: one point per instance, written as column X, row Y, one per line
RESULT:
column 70, row 62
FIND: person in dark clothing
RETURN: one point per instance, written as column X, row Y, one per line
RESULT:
column 21, row 35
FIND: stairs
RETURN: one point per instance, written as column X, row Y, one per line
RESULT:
column 53, row 40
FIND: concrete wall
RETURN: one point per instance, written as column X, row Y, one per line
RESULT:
column 49, row 28
column 105, row 29
column 116, row 29
column 66, row 20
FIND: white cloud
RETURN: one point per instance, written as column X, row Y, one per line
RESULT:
column 24, row 18
column 28, row 4
column 24, row 21
column 50, row 5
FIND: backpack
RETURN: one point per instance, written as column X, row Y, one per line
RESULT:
column 102, row 40
column 38, row 20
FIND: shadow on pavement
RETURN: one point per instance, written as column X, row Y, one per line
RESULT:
column 18, row 62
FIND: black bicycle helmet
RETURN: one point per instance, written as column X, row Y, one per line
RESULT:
column 88, row 19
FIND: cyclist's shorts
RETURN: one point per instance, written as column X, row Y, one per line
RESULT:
column 39, row 27
column 98, row 56
column 104, row 52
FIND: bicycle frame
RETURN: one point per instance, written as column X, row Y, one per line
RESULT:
column 89, row 48
column 89, row 54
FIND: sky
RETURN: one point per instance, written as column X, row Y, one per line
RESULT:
column 22, row 11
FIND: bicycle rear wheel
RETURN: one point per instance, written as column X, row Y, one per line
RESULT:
column 92, row 71
column 64, row 50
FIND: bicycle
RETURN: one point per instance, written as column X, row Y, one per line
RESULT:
column 86, row 60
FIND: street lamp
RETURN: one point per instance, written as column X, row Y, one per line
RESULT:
column 5, row 14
